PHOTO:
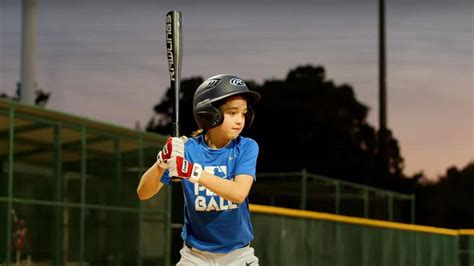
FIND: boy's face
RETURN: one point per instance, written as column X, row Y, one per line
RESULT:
column 234, row 110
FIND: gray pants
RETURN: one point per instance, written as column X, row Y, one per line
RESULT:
column 239, row 257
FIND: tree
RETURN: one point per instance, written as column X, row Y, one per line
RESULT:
column 41, row 99
column 162, row 121
column 447, row 203
column 303, row 121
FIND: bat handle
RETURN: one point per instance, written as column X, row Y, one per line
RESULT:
column 176, row 129
column 175, row 134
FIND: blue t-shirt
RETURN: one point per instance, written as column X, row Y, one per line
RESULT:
column 212, row 223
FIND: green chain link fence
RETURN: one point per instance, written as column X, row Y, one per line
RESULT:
column 72, row 181
column 295, row 237
column 307, row 191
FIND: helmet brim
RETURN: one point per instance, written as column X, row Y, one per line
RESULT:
column 252, row 97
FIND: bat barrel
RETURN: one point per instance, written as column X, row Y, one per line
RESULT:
column 174, row 49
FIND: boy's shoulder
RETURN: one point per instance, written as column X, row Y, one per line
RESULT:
column 240, row 141
column 245, row 141
column 193, row 140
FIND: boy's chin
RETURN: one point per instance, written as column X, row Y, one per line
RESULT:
column 233, row 136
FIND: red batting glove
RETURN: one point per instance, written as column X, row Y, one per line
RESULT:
column 183, row 168
column 173, row 147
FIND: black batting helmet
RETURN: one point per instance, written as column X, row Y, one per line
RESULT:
column 205, row 108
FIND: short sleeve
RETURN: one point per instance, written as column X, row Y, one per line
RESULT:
column 165, row 178
column 247, row 162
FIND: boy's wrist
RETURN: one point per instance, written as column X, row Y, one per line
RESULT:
column 160, row 161
column 195, row 173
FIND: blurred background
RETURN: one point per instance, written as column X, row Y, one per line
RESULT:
column 318, row 67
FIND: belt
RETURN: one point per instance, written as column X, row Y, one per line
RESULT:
column 192, row 248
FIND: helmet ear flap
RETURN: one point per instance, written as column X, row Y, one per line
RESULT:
column 209, row 116
column 218, row 116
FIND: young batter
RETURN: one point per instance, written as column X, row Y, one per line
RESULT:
column 218, row 169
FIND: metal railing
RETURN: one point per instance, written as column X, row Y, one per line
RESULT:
column 308, row 191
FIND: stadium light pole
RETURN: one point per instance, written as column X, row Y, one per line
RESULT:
column 382, row 133
column 28, row 52
column 382, row 69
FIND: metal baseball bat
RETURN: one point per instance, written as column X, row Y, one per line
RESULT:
column 174, row 51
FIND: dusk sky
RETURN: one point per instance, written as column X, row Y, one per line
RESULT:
column 106, row 59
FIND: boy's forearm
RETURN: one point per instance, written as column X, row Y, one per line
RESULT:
column 233, row 190
column 150, row 182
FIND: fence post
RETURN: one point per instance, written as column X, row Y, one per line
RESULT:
column 338, row 195
column 140, row 203
column 11, row 139
column 304, row 179
column 390, row 206
column 366, row 203
column 412, row 211
column 82, row 227
column 58, row 233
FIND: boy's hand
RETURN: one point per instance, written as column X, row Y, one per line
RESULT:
column 173, row 147
column 180, row 167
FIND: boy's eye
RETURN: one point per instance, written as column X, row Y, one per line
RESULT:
column 236, row 112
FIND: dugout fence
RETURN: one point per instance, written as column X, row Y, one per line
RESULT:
column 72, row 182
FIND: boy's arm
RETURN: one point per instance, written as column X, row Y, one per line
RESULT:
column 150, row 183
column 235, row 190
